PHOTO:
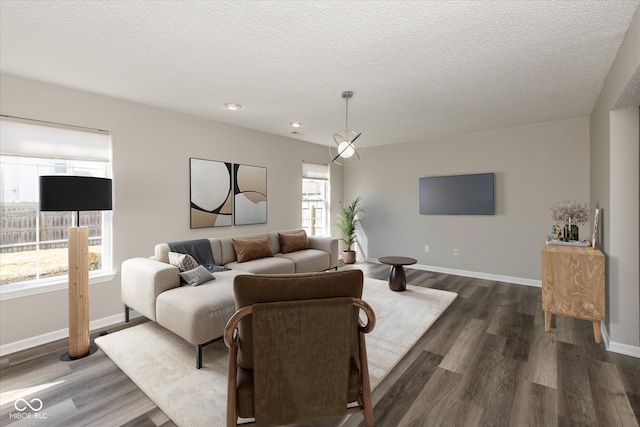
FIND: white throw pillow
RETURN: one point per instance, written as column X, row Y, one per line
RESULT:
column 184, row 262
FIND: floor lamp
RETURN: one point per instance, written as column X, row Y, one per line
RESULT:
column 77, row 193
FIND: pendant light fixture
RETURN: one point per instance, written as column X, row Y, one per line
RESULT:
column 344, row 151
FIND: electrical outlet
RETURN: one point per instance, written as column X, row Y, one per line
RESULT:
column 426, row 249
column 455, row 252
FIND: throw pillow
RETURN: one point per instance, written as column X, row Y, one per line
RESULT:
column 249, row 249
column 184, row 262
column 197, row 276
column 293, row 242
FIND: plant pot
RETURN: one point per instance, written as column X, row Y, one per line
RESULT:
column 349, row 257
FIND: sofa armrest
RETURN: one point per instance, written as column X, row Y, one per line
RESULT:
column 143, row 280
column 327, row 244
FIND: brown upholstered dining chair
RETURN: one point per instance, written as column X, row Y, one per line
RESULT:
column 297, row 349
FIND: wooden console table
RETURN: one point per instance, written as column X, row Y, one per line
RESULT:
column 573, row 284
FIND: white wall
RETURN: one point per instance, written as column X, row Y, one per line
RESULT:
column 624, row 227
column 151, row 151
column 535, row 166
column 614, row 188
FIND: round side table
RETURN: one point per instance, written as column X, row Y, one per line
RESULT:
column 397, row 277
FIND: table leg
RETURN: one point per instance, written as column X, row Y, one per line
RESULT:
column 397, row 279
column 547, row 321
column 596, row 331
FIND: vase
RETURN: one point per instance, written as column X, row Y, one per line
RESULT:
column 570, row 233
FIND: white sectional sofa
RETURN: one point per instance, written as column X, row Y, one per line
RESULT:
column 198, row 314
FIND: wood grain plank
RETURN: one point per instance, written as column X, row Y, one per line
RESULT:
column 629, row 371
column 479, row 378
column 442, row 335
column 611, row 403
column 534, row 405
column 436, row 404
column 519, row 336
column 405, row 391
column 634, row 401
column 465, row 347
column 574, row 389
column 542, row 366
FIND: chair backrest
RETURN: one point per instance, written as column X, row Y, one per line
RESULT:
column 266, row 288
column 302, row 360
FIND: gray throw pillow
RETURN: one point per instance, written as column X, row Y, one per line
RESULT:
column 197, row 276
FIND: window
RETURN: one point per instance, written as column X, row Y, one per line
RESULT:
column 33, row 244
column 315, row 199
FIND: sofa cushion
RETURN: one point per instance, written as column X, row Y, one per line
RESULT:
column 249, row 249
column 293, row 242
column 308, row 260
column 269, row 265
column 198, row 314
column 197, row 276
column 184, row 262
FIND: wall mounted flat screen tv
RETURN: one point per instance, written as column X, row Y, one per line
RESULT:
column 457, row 194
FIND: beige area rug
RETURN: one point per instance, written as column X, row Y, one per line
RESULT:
column 162, row 364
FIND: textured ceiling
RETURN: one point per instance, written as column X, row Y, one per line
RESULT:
column 417, row 69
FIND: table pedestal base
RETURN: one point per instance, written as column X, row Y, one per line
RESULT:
column 397, row 279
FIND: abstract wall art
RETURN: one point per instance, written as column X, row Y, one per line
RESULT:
column 250, row 194
column 211, row 202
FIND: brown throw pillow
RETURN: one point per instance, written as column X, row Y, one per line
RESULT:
column 249, row 249
column 293, row 242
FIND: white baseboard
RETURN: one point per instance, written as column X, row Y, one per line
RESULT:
column 474, row 274
column 616, row 347
column 60, row 334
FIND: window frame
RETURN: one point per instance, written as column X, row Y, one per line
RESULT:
column 319, row 173
column 101, row 153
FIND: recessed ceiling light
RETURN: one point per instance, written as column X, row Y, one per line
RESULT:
column 232, row 106
column 296, row 124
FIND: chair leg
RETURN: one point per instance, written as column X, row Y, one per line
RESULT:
column 126, row 313
column 232, row 414
column 366, row 383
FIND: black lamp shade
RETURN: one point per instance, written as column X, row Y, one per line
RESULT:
column 75, row 193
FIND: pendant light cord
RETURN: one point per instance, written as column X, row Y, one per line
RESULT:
column 346, row 119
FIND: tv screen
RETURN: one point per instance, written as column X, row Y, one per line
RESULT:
column 457, row 195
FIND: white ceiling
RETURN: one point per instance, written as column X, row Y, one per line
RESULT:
column 417, row 68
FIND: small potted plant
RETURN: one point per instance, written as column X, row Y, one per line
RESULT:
column 347, row 224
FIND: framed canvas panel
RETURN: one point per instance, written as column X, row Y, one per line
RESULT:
column 211, row 201
column 596, row 218
column 250, row 194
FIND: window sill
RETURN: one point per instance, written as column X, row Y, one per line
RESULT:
column 20, row 290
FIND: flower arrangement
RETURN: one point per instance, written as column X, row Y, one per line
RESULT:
column 570, row 212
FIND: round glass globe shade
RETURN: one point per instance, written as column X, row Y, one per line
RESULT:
column 345, row 149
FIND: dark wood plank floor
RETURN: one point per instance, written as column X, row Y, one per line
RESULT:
column 485, row 362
